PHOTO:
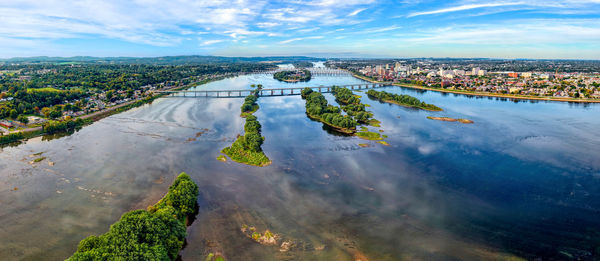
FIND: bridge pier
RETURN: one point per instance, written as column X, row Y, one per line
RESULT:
column 281, row 92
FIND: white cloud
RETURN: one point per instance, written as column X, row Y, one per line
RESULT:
column 211, row 42
column 300, row 39
column 357, row 11
column 462, row 8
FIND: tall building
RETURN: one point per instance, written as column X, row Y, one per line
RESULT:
column 475, row 71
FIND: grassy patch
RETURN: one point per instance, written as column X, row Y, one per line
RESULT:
column 374, row 123
column 222, row 158
column 368, row 135
column 255, row 108
column 363, row 128
column 39, row 159
column 364, row 145
column 47, row 89
column 383, row 142
column 238, row 153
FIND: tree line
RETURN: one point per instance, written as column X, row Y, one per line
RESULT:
column 319, row 109
column 157, row 233
column 351, row 104
column 401, row 99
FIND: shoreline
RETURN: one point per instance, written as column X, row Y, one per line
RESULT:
column 33, row 132
column 482, row 94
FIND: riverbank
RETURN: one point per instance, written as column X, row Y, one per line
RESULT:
column 24, row 134
column 483, row 94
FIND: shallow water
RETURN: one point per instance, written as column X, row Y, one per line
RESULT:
column 523, row 180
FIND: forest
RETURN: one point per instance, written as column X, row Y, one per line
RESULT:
column 318, row 108
column 401, row 99
column 157, row 233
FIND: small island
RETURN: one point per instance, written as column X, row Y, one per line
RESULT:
column 353, row 106
column 157, row 233
column 293, row 76
column 401, row 99
column 450, row 119
column 247, row 149
column 318, row 109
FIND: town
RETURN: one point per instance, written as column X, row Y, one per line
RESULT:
column 558, row 79
column 32, row 94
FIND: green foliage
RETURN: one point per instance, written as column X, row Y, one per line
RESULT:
column 344, row 96
column 368, row 135
column 157, row 234
column 52, row 127
column 305, row 92
column 294, row 76
column 318, row 108
column 12, row 137
column 51, row 84
column 250, row 105
column 247, row 149
column 353, row 105
column 401, row 99
column 238, row 153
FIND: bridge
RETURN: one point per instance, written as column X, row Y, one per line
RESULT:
column 263, row 92
column 313, row 71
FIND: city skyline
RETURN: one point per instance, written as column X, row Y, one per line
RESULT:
column 566, row 29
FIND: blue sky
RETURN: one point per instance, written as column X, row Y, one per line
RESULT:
column 325, row 28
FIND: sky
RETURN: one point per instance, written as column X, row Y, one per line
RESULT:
column 563, row 29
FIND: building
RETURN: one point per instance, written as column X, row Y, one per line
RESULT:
column 513, row 75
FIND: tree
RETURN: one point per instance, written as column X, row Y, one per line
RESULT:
column 22, row 118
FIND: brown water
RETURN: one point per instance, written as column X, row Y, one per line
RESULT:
column 524, row 180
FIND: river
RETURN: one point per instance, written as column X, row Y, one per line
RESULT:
column 522, row 181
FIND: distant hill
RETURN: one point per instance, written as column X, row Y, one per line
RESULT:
column 165, row 60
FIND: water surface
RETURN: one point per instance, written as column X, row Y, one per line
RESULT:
column 523, row 180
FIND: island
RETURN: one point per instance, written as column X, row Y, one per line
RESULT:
column 401, row 99
column 450, row 119
column 318, row 109
column 352, row 105
column 157, row 233
column 247, row 149
column 293, row 76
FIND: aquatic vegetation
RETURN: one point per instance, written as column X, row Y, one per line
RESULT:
column 214, row 257
column 364, row 145
column 368, row 135
column 157, row 233
column 222, row 158
column 401, row 99
column 39, row 159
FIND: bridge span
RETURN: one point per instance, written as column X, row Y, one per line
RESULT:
column 264, row 92
column 313, row 71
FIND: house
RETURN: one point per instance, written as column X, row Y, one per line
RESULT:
column 6, row 124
